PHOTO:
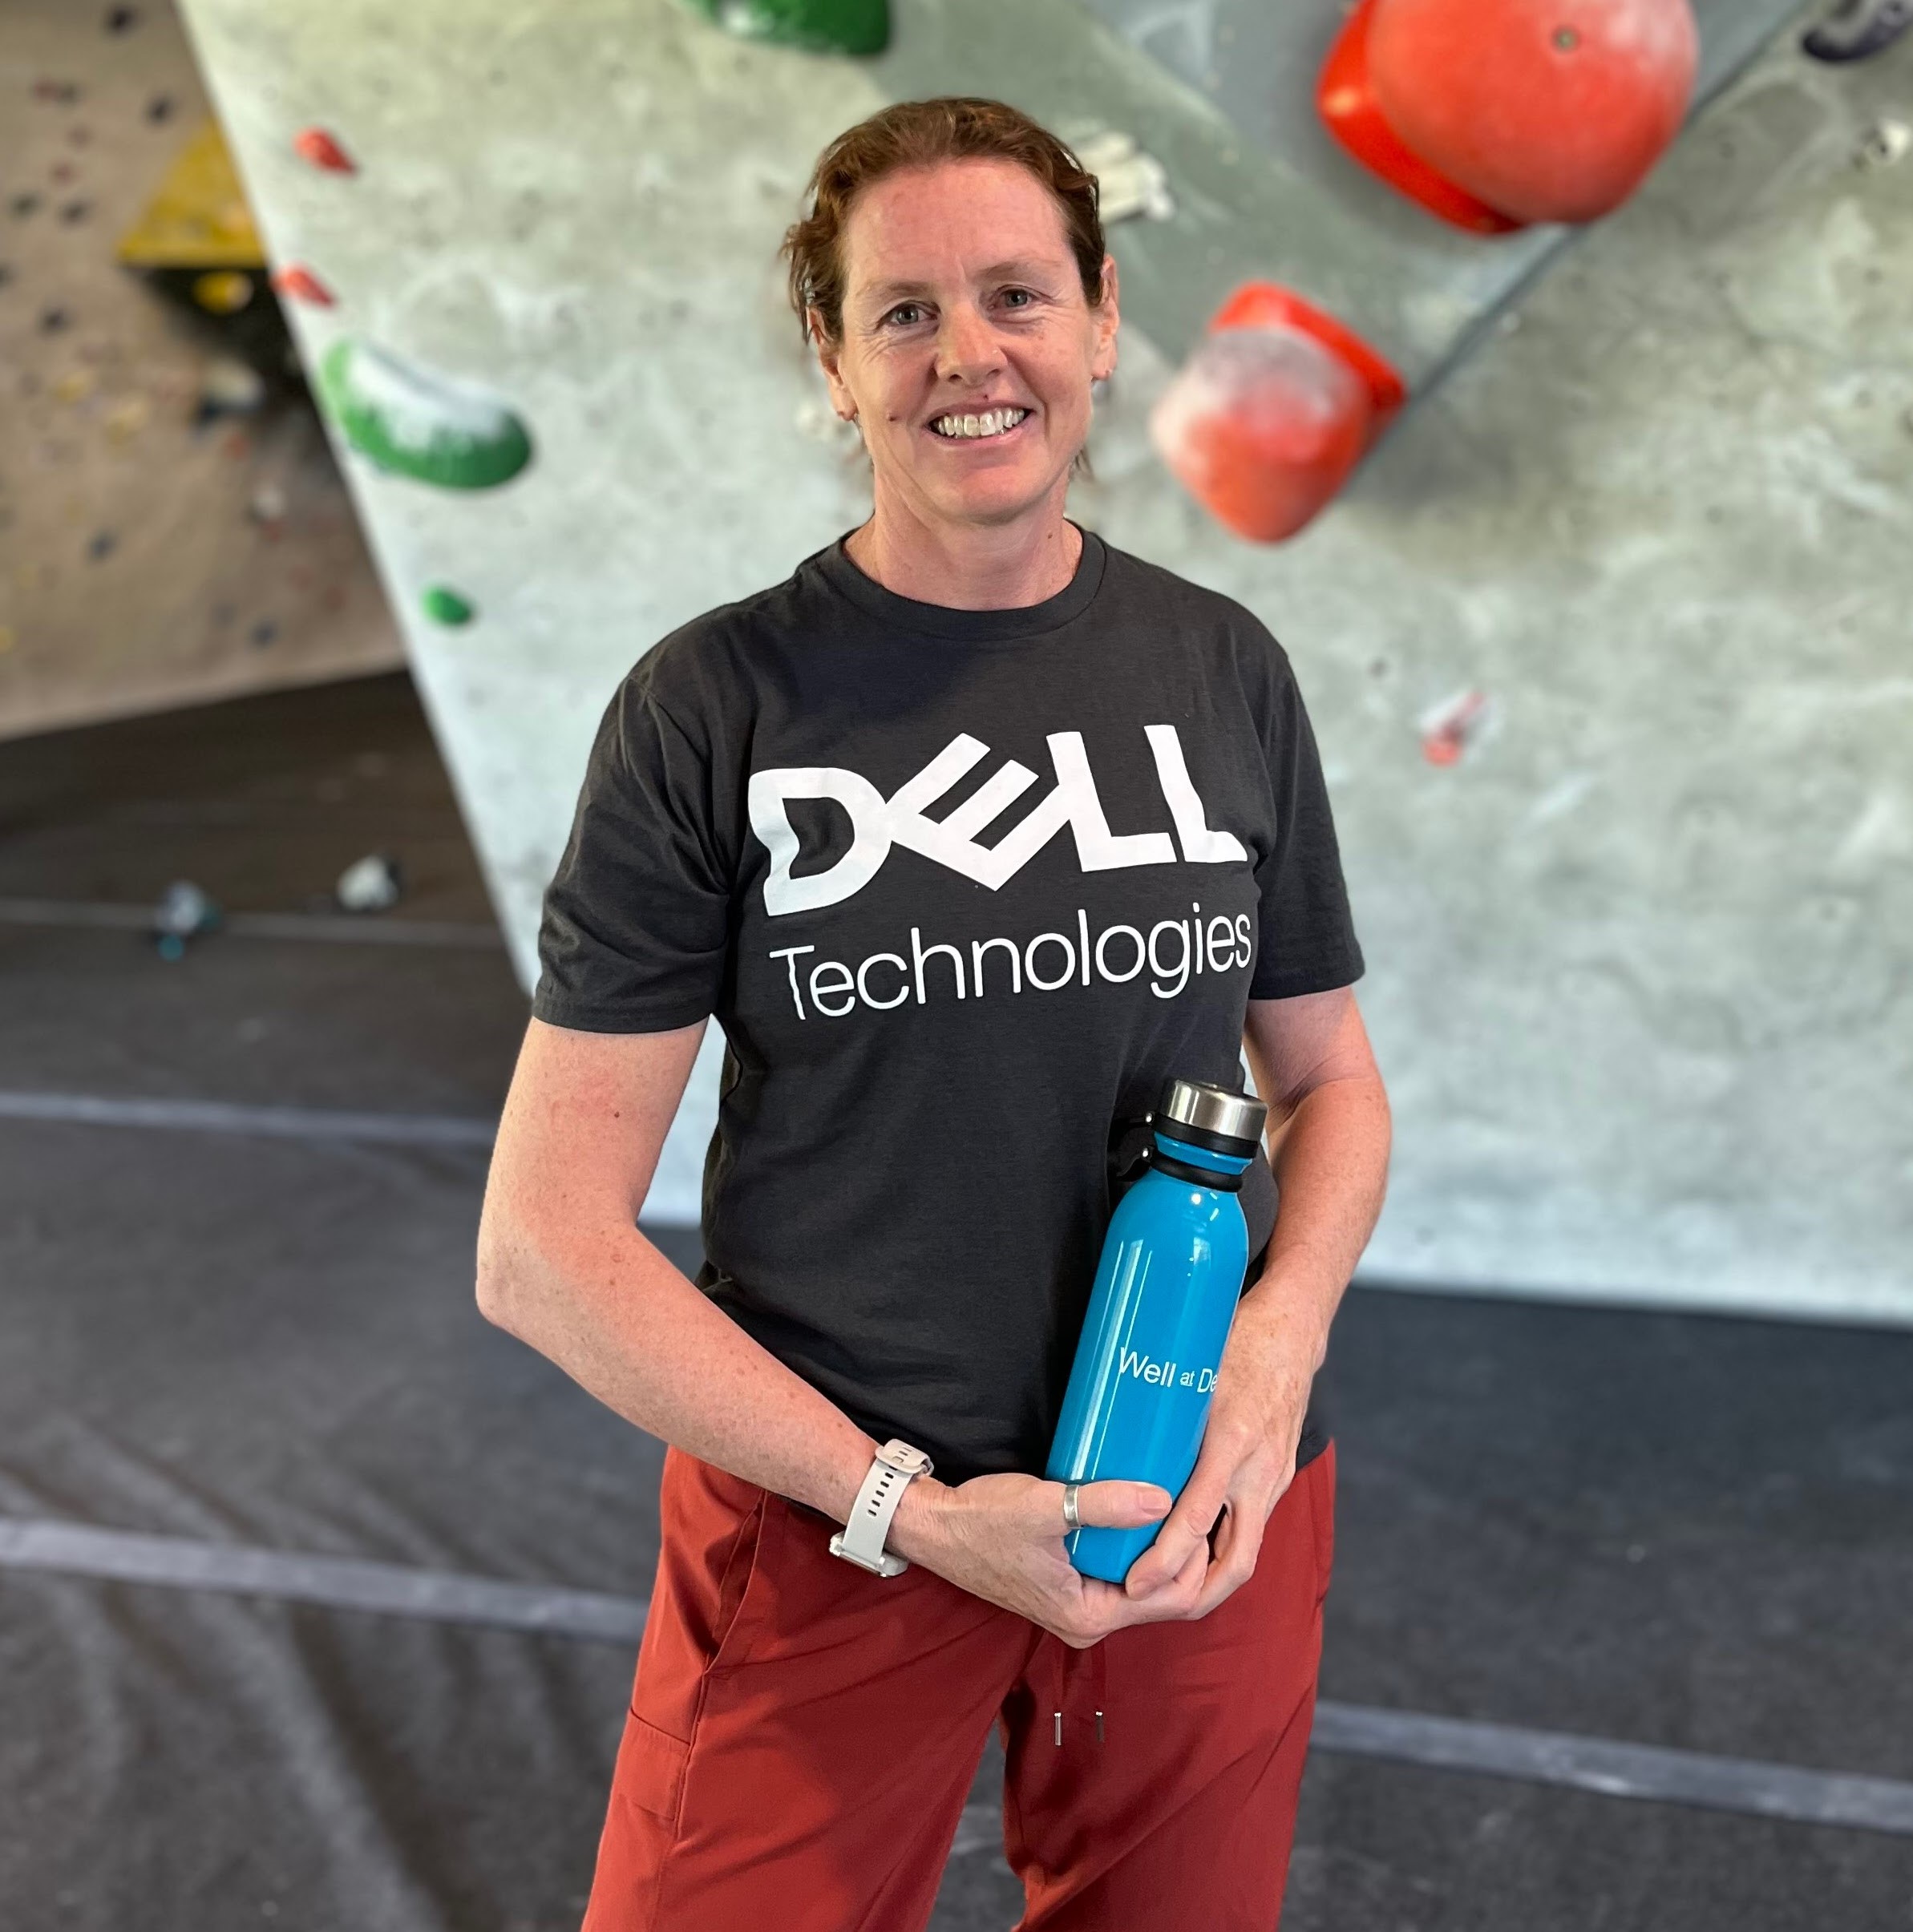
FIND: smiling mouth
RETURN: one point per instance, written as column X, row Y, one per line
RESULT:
column 959, row 428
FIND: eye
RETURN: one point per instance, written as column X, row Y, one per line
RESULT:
column 906, row 315
column 1018, row 298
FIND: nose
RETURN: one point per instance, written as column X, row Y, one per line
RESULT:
column 967, row 349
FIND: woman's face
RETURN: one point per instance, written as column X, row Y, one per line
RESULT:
column 968, row 348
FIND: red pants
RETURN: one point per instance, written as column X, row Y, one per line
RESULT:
column 802, row 1736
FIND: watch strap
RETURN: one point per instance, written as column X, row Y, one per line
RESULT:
column 861, row 1540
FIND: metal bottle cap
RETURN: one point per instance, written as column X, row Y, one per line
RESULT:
column 1210, row 1110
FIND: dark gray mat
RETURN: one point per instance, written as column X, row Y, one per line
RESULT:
column 1669, row 1530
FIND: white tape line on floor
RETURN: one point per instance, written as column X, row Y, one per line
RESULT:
column 324, row 928
column 1617, row 1770
column 221, row 1116
column 1601, row 1765
column 393, row 1590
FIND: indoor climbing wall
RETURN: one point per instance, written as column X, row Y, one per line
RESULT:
column 172, row 523
column 1604, row 637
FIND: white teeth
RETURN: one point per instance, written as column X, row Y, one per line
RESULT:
column 991, row 422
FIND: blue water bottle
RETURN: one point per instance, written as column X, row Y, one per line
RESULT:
column 1166, row 1290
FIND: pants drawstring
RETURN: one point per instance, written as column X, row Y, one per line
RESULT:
column 1099, row 1671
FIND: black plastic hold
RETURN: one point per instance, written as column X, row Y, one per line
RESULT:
column 1856, row 29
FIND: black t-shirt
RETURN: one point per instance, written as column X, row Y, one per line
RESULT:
column 962, row 888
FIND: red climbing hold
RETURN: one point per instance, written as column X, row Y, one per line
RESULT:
column 1448, row 729
column 1273, row 408
column 1267, row 304
column 1344, row 97
column 302, row 285
column 1495, row 113
column 315, row 145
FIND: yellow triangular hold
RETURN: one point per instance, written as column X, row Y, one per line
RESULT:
column 199, row 219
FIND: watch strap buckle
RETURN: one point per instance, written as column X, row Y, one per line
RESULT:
column 888, row 1562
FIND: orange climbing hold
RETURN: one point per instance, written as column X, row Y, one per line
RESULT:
column 1273, row 408
column 302, row 285
column 315, row 145
column 1495, row 113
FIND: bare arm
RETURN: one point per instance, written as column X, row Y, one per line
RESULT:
column 561, row 1265
column 1328, row 1138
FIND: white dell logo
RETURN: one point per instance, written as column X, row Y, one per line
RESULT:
column 878, row 823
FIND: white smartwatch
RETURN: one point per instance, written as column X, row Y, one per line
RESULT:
column 861, row 1540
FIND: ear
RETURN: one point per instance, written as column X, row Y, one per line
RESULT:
column 1109, row 319
column 830, row 360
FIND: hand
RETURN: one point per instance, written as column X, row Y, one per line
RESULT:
column 1000, row 1538
column 1247, row 1464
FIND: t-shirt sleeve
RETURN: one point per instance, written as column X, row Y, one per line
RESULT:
column 638, row 917
column 1306, row 935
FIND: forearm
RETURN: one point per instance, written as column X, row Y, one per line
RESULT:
column 611, row 1311
column 1330, row 1159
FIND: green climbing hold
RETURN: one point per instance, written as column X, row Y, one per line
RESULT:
column 444, row 605
column 818, row 27
column 421, row 425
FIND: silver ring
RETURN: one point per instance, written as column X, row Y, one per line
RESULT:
column 1071, row 1520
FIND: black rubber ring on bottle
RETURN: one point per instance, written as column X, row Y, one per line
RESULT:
column 1203, row 1177
column 1204, row 1138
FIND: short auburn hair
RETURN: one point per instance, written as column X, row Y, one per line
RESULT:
column 919, row 133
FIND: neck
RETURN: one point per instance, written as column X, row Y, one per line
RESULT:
column 967, row 566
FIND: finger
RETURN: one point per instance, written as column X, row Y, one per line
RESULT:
column 1186, row 1585
column 1098, row 1606
column 1176, row 1599
column 1097, row 1610
column 1187, row 1527
column 1237, row 1543
column 1117, row 1506
column 1092, row 1615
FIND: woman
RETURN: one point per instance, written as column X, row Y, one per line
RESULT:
column 970, row 835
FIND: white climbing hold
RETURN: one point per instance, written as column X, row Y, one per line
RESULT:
column 1129, row 182
column 1887, row 141
column 370, row 884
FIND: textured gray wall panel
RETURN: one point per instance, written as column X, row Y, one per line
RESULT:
column 1641, row 964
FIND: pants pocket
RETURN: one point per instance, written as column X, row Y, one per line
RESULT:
column 746, row 1581
column 708, row 1599
column 650, row 1770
